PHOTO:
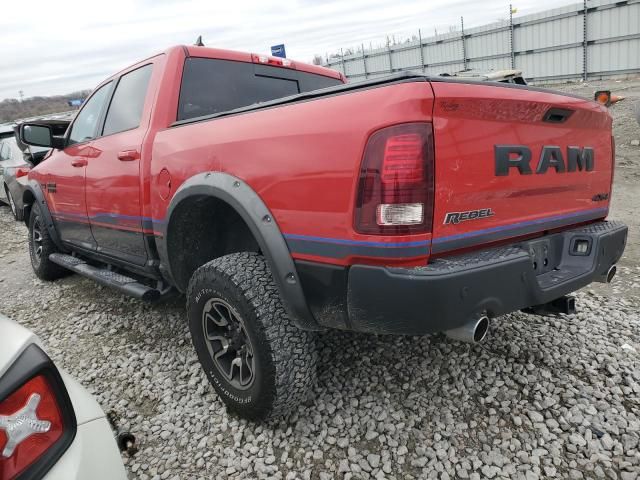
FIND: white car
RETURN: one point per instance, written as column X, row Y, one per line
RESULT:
column 50, row 426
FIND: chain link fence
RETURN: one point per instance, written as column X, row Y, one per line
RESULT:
column 593, row 39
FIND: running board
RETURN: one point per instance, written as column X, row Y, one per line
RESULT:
column 106, row 277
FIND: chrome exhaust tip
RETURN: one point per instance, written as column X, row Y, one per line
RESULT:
column 473, row 331
column 611, row 273
column 608, row 277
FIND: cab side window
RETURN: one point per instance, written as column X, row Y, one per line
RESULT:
column 126, row 106
column 86, row 122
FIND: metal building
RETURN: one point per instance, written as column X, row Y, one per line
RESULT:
column 593, row 39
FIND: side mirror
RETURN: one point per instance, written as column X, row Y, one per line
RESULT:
column 39, row 136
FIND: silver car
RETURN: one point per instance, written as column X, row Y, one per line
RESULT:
column 17, row 159
column 14, row 168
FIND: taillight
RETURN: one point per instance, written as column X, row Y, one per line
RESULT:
column 22, row 172
column 395, row 192
column 30, row 424
column 37, row 421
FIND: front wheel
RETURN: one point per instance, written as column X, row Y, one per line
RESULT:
column 40, row 247
column 260, row 364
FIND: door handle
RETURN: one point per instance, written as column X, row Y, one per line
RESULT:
column 128, row 155
column 80, row 162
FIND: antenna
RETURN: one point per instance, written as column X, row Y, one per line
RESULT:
column 199, row 42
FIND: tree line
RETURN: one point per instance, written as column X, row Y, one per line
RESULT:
column 13, row 109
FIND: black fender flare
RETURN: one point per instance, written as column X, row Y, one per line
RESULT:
column 35, row 189
column 248, row 204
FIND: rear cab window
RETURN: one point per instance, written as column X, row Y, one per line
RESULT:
column 211, row 86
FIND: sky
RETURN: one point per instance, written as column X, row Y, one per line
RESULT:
column 58, row 47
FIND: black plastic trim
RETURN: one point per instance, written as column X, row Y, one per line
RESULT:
column 106, row 277
column 325, row 288
column 36, row 190
column 31, row 363
column 253, row 211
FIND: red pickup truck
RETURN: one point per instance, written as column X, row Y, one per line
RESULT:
column 283, row 201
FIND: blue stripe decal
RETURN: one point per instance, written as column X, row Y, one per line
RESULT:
column 124, row 217
column 361, row 243
column 65, row 214
column 128, row 217
column 412, row 248
column 340, row 248
column 112, row 216
column 519, row 224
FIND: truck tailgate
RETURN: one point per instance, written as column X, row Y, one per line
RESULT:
column 515, row 161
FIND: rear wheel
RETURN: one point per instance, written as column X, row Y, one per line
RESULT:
column 40, row 247
column 17, row 213
column 260, row 364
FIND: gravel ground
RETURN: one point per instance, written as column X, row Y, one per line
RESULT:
column 543, row 397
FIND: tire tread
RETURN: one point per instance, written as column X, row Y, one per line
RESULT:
column 47, row 270
column 292, row 351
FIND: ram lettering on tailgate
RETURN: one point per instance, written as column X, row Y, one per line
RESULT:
column 519, row 157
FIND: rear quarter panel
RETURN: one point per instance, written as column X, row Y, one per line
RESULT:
column 302, row 159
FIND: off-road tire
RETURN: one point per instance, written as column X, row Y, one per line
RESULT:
column 44, row 268
column 285, row 356
column 17, row 213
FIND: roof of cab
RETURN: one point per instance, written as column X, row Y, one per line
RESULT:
column 218, row 53
column 222, row 54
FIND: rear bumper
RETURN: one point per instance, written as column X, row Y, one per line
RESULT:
column 447, row 292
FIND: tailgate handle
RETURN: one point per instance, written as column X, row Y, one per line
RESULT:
column 557, row 115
